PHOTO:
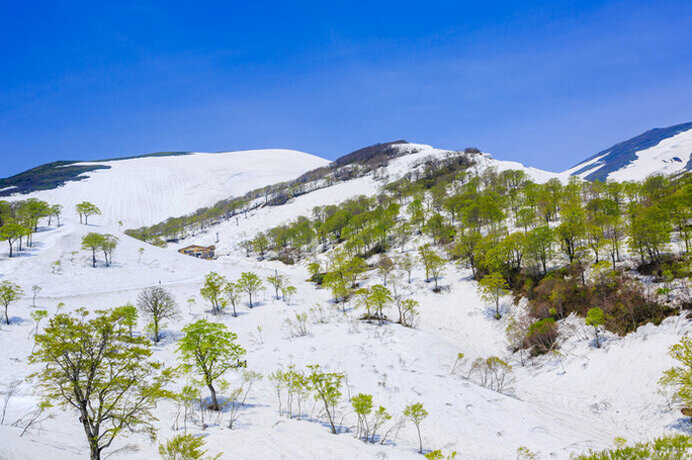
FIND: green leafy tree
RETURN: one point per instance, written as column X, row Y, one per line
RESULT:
column 539, row 246
column 260, row 244
column 38, row 316
column 232, row 293
column 680, row 376
column 327, row 389
column 276, row 281
column 93, row 242
column 92, row 365
column 86, row 209
column 377, row 297
column 465, row 249
column 650, row 230
column 250, row 283
column 416, row 413
column 108, row 245
column 129, row 316
column 432, row 262
column 596, row 318
column 11, row 232
column 362, row 406
column 157, row 304
column 9, row 292
column 55, row 211
column 212, row 290
column 209, row 350
column 407, row 264
column 493, row 286
column 287, row 292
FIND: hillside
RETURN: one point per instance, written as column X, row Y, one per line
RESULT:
column 519, row 376
column 660, row 150
column 145, row 190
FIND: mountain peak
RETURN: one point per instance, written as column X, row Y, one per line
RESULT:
column 658, row 150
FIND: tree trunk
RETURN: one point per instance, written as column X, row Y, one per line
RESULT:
column 214, row 401
column 7, row 318
column 420, row 441
column 250, row 295
column 156, row 330
column 93, row 258
column 92, row 438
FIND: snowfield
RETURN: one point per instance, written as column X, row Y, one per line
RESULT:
column 671, row 155
column 144, row 191
column 556, row 406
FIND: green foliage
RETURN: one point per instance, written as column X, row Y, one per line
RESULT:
column 11, row 232
column 212, row 290
column 250, row 283
column 596, row 318
column 326, row 388
column 184, row 447
column 232, row 293
column 9, row 292
column 128, row 314
column 673, row 447
column 209, row 351
column 94, row 366
column 86, row 209
column 277, row 282
column 493, row 286
column 432, row 262
column 416, row 413
column 438, row 455
column 541, row 336
column 96, row 241
column 680, row 377
column 376, row 298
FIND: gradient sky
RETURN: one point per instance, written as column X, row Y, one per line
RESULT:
column 544, row 83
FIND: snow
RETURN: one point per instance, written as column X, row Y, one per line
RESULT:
column 556, row 406
column 660, row 158
column 669, row 156
column 144, row 191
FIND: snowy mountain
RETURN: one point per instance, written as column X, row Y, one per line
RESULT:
column 144, row 190
column 660, row 150
column 556, row 406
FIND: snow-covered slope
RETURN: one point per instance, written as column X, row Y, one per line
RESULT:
column 660, row 150
column 556, row 406
column 143, row 191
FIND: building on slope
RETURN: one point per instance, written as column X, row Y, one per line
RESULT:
column 201, row 252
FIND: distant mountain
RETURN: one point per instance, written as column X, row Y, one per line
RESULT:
column 55, row 174
column 660, row 150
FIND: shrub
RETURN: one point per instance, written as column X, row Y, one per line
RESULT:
column 541, row 336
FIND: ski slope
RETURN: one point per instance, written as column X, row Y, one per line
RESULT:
column 144, row 191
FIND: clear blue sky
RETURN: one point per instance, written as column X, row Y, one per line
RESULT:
column 544, row 83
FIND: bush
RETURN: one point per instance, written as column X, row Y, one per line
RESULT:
column 666, row 448
column 541, row 336
column 623, row 300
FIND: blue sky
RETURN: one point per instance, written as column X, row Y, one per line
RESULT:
column 544, row 83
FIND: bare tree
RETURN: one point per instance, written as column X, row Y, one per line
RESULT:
column 158, row 304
